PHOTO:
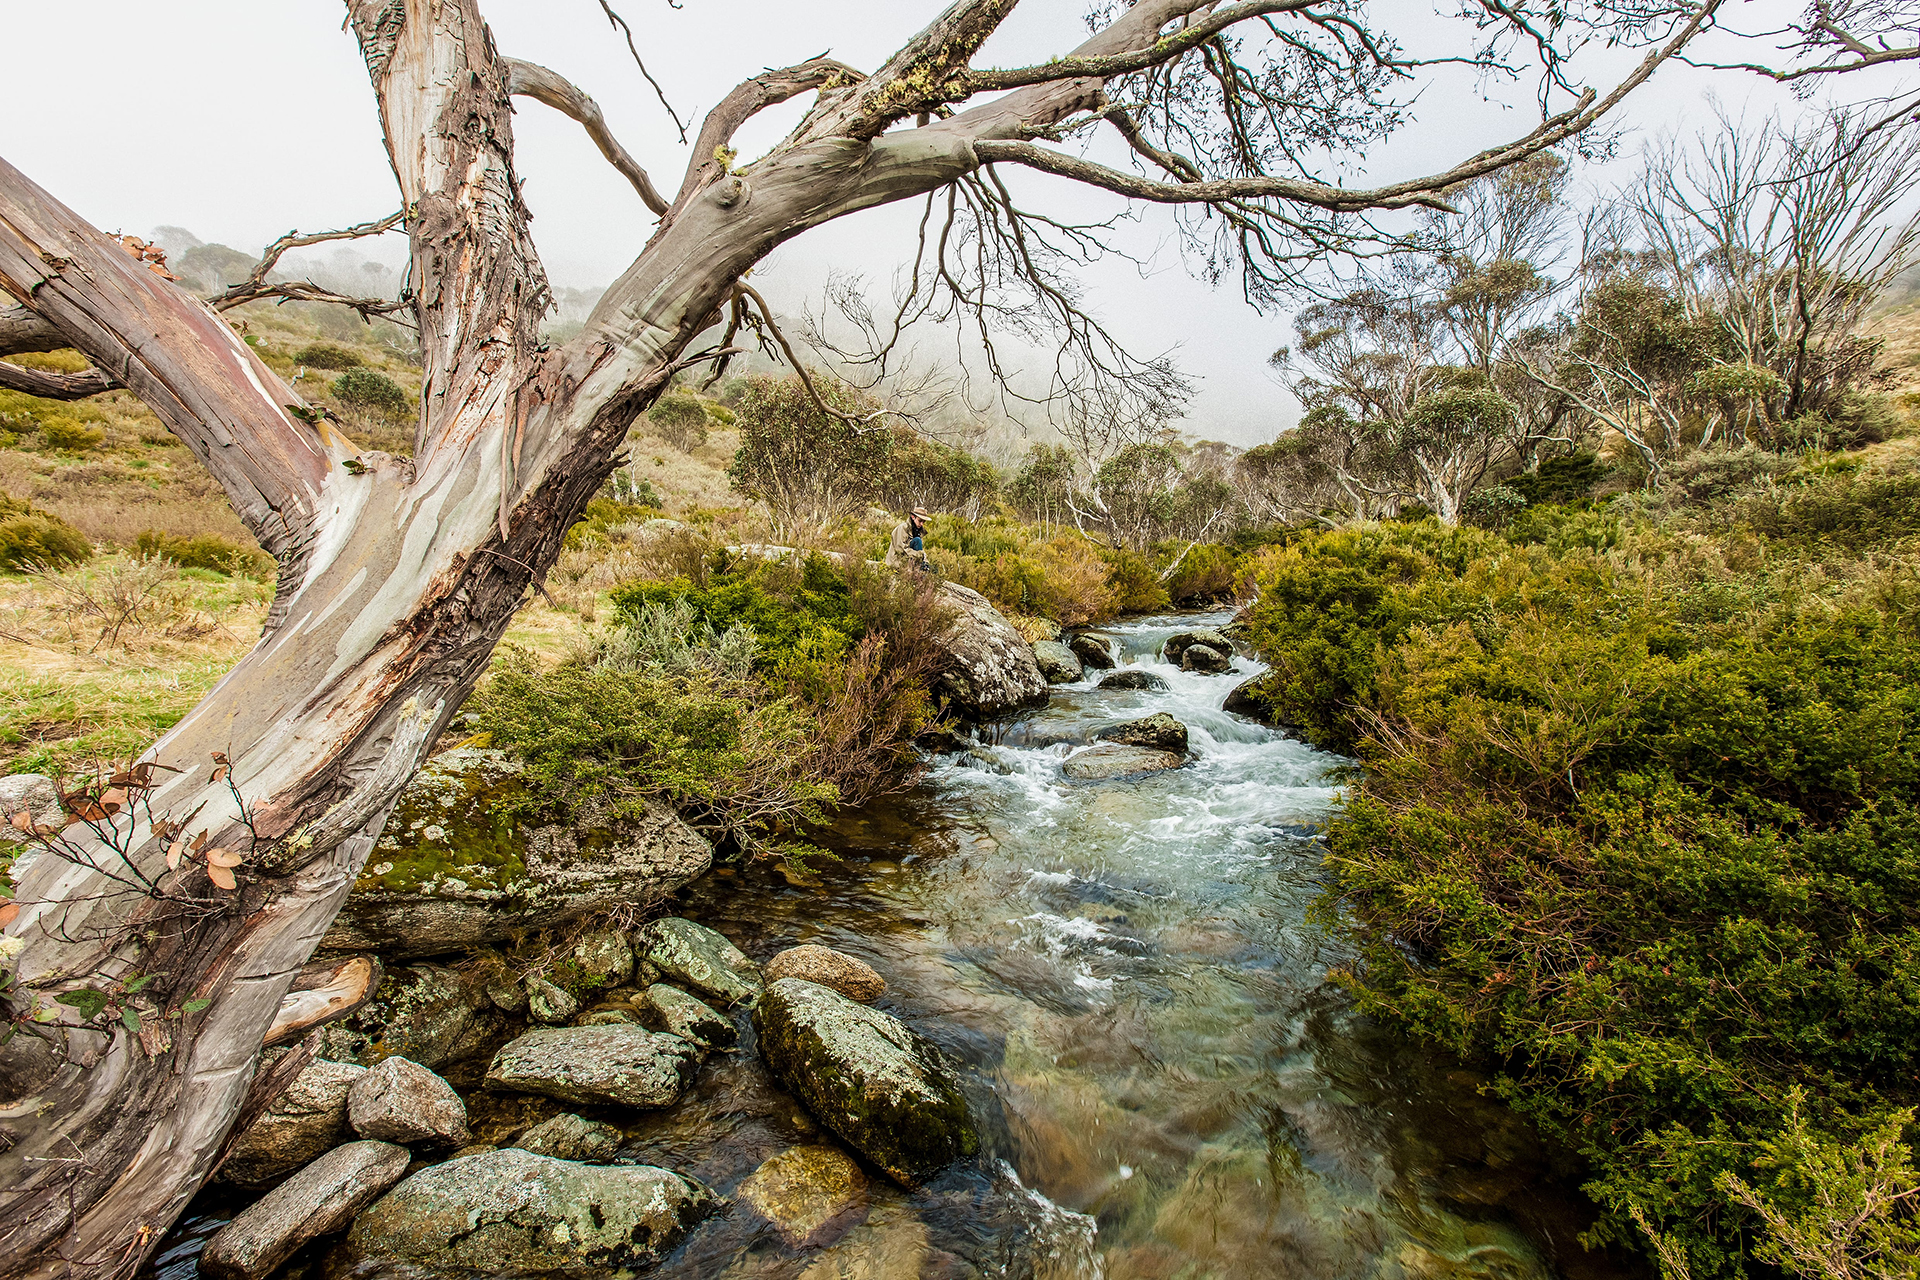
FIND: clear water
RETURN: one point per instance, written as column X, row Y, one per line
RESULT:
column 1171, row 1086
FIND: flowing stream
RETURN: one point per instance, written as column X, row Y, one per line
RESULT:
column 1171, row 1085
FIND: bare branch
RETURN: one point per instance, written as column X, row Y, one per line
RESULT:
column 1163, row 50
column 531, row 80
column 256, row 286
column 711, row 155
column 23, row 330
column 621, row 24
column 55, row 386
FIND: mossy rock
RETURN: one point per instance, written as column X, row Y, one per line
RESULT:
column 457, row 867
column 884, row 1088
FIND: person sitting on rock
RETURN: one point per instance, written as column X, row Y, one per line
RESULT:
column 908, row 546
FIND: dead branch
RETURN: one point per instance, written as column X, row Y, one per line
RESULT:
column 620, row 24
column 55, row 386
column 531, row 80
column 22, row 330
column 256, row 286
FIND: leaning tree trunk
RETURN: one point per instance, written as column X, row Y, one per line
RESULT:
column 397, row 577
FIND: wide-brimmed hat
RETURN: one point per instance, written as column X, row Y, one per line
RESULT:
column 922, row 513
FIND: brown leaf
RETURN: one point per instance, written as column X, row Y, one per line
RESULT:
column 22, row 821
column 219, row 775
column 221, row 876
column 220, row 757
column 174, row 851
column 113, row 798
column 217, row 857
column 199, row 842
column 7, row 912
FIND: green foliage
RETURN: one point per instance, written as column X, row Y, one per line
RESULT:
column 375, row 392
column 1564, row 479
column 205, row 551
column 809, row 468
column 1208, row 572
column 1848, row 511
column 325, row 355
column 679, row 418
column 808, row 613
column 1646, row 834
column 1132, row 585
column 32, row 537
column 603, row 514
column 70, row 435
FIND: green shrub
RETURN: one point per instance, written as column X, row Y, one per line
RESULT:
column 205, row 551
column 805, row 611
column 679, row 418
column 1564, row 479
column 30, row 537
column 1132, row 585
column 70, row 434
column 375, row 392
column 1205, row 573
column 324, row 355
column 1850, row 512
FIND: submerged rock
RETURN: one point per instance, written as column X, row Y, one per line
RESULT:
column 889, row 1245
column 1158, row 732
column 697, row 957
column 1094, row 651
column 319, row 1200
column 885, row 1089
column 517, row 1213
column 1113, row 760
column 809, row 1194
column 1058, row 663
column 851, row 977
column 402, row 1101
column 1133, row 678
column 1176, row 646
column 991, row 670
column 622, row 1064
column 457, row 867
column 571, row 1137
column 1206, row 660
column 669, row 1009
column 303, row 1124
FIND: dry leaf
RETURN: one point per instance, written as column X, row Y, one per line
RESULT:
column 217, row 857
column 220, row 876
column 174, row 851
column 199, row 842
column 219, row 775
column 22, row 821
column 113, row 798
column 7, row 912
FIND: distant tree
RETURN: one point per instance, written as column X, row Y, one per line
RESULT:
column 938, row 476
column 1451, row 439
column 810, row 466
column 679, row 418
column 1042, row 491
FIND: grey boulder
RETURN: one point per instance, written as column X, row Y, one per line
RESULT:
column 620, row 1064
column 319, row 1200
column 30, row 793
column 1158, row 732
column 1133, row 678
column 303, row 1124
column 1111, row 760
column 1206, row 660
column 1094, row 651
column 885, row 1089
column 431, row 1014
column 1058, row 663
column 604, row 954
column 548, row 1003
column 1249, row 699
column 695, row 956
column 516, row 1213
column 1176, row 646
column 669, row 1009
column 990, row 668
column 402, row 1101
column 571, row 1137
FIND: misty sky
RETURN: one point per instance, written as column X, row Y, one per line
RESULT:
column 240, row 120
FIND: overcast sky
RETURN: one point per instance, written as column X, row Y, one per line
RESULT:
column 239, row 120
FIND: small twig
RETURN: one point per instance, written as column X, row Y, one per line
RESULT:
column 626, row 30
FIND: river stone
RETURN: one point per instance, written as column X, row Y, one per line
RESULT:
column 873, row 1080
column 1133, row 678
column 609, row 1017
column 851, row 977
column 302, row 1124
column 35, row 794
column 1249, row 699
column 1157, row 732
column 892, row 1243
column 1057, row 662
column 512, row 1212
column 509, row 994
column 402, row 1101
column 990, row 668
column 1094, row 651
column 669, row 1009
column 549, row 1004
column 457, row 866
column 430, row 1014
column 623, row 1065
column 605, row 954
column 319, row 1200
column 1176, row 646
column 809, row 1194
column 1112, row 760
column 571, row 1137
column 697, row 957
column 1206, row 660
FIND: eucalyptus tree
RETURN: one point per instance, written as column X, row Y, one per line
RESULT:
column 152, row 939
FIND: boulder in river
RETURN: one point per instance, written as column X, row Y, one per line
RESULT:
column 1176, row 646
column 549, row 1004
column 319, row 1200
column 1110, row 760
column 512, row 1212
column 431, row 1014
column 1094, row 651
column 402, row 1101
column 1207, row 660
column 1249, row 699
column 1058, row 663
column 460, row 865
column 1133, row 678
column 1158, row 732
column 604, row 954
column 301, row 1125
column 669, row 1009
column 810, row 1194
column 619, row 1064
column 697, row 957
column 850, row 976
column 990, row 669
column 884, row 1088
column 571, row 1137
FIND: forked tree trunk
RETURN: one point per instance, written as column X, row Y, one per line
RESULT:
column 397, row 576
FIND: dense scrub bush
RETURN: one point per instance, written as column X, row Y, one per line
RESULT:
column 1647, row 836
column 325, row 355
column 70, row 435
column 205, row 551
column 1204, row 573
column 679, row 418
column 1845, row 510
column 375, row 392
column 30, row 537
column 1716, row 473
